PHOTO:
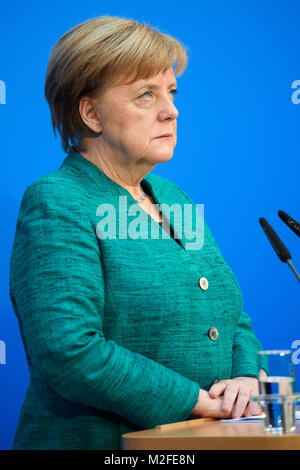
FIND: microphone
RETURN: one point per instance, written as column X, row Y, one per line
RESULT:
column 290, row 222
column 281, row 250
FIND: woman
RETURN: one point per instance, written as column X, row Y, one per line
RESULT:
column 123, row 329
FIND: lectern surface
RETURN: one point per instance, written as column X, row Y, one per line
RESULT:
column 210, row 434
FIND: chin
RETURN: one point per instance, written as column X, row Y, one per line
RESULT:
column 162, row 157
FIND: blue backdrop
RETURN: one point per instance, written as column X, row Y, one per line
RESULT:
column 237, row 151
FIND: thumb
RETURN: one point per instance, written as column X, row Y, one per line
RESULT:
column 217, row 389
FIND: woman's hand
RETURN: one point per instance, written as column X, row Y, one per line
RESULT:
column 236, row 396
column 207, row 407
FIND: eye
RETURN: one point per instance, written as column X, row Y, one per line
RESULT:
column 146, row 94
column 149, row 94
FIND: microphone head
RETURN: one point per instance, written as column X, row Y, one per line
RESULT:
column 290, row 222
column 283, row 215
column 275, row 241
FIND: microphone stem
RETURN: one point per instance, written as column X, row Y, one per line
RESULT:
column 289, row 262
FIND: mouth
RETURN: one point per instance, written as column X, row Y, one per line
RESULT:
column 164, row 136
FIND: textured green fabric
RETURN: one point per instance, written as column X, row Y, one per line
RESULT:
column 115, row 330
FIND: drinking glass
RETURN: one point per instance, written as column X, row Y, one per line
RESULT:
column 276, row 383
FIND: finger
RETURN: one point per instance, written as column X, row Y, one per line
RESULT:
column 253, row 409
column 241, row 403
column 217, row 389
column 230, row 395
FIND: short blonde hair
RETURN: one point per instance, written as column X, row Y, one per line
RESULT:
column 93, row 55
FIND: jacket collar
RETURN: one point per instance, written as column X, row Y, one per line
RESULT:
column 159, row 188
column 83, row 165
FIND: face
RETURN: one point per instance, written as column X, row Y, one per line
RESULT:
column 133, row 118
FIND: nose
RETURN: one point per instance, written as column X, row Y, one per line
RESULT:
column 168, row 110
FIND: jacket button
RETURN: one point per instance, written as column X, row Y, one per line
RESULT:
column 213, row 333
column 203, row 283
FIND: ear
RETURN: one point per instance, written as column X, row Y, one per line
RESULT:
column 88, row 113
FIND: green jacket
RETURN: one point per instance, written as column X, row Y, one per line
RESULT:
column 115, row 330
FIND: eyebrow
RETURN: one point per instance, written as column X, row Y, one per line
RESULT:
column 156, row 87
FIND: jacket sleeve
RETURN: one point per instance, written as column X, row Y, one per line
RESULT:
column 57, row 291
column 245, row 349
